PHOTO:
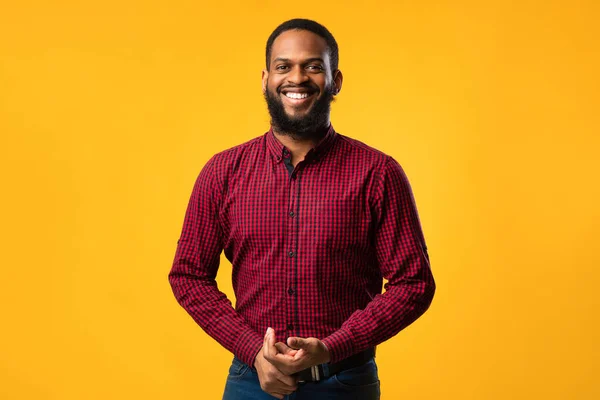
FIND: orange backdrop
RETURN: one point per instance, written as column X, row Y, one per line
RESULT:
column 108, row 111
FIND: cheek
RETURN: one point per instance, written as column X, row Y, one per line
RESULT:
column 273, row 84
column 272, row 92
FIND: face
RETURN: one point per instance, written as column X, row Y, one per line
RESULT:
column 299, row 85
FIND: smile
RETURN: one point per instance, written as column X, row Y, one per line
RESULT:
column 292, row 95
column 297, row 98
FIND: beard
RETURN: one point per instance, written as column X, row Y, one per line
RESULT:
column 306, row 126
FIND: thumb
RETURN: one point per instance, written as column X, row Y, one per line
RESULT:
column 297, row 343
column 271, row 336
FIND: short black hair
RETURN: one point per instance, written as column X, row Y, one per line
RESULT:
column 308, row 25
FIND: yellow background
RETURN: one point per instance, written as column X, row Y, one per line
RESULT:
column 108, row 111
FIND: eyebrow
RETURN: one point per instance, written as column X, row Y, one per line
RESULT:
column 306, row 61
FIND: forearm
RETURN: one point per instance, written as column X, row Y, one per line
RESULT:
column 194, row 269
column 385, row 316
column 401, row 256
column 213, row 312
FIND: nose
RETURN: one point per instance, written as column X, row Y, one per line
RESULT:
column 297, row 75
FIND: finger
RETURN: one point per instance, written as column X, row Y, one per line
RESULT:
column 266, row 343
column 270, row 349
column 287, row 391
column 283, row 389
column 285, row 363
column 271, row 337
column 299, row 354
column 284, row 349
column 298, row 343
column 290, row 381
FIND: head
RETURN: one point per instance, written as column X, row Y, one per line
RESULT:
column 301, row 78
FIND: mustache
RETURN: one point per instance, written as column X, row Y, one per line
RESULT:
column 305, row 125
column 310, row 88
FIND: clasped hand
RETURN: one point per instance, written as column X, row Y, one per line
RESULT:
column 277, row 363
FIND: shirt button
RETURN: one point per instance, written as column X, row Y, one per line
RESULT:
column 290, row 291
column 291, row 213
column 291, row 254
column 290, row 327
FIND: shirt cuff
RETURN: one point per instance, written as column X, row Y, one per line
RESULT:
column 340, row 344
column 248, row 346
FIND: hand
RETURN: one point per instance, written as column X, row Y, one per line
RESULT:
column 272, row 380
column 298, row 354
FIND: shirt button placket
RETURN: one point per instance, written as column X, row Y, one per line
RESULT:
column 292, row 253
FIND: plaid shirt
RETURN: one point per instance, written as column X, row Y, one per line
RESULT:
column 308, row 245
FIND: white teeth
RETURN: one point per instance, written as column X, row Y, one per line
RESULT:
column 296, row 95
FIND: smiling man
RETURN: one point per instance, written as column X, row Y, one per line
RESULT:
column 311, row 221
column 299, row 104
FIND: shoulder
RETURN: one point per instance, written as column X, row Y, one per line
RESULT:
column 226, row 161
column 215, row 173
column 356, row 148
column 387, row 173
column 231, row 154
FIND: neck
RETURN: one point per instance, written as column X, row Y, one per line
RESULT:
column 299, row 146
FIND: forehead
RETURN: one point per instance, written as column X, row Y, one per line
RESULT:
column 299, row 44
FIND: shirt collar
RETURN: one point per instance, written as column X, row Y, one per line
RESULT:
column 278, row 150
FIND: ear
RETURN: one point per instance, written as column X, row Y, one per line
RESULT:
column 338, row 78
column 265, row 77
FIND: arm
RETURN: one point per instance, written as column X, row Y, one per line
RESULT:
column 403, row 260
column 192, row 276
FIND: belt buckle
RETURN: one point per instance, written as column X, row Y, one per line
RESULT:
column 315, row 374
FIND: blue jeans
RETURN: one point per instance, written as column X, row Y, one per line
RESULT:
column 352, row 384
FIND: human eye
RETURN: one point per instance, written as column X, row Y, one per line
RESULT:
column 280, row 67
column 315, row 67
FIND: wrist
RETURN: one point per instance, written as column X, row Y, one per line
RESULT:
column 256, row 357
column 327, row 353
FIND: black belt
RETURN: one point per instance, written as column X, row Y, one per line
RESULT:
column 316, row 373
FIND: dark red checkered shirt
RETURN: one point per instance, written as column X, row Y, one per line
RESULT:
column 309, row 247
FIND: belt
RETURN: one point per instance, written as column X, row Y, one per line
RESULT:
column 322, row 371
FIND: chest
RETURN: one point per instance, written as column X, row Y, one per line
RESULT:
column 321, row 206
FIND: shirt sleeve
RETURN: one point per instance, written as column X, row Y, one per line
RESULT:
column 193, row 273
column 401, row 255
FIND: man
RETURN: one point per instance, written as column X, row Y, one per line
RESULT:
column 311, row 221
